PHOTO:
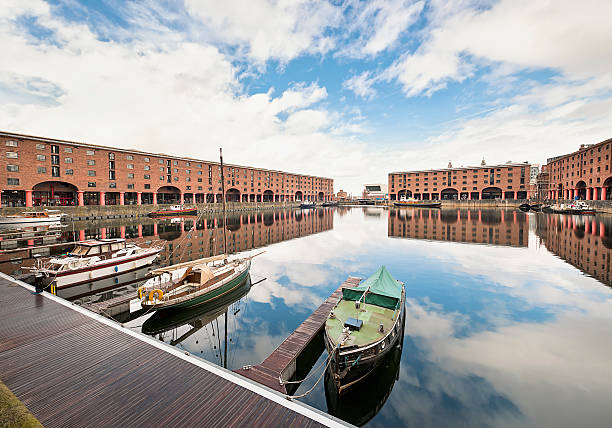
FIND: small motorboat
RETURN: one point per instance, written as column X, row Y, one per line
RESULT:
column 193, row 283
column 363, row 327
column 577, row 207
column 536, row 207
column 524, row 207
column 92, row 260
column 32, row 218
column 417, row 203
column 330, row 204
column 175, row 211
column 308, row 204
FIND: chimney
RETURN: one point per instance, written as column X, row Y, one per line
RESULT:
column 450, row 165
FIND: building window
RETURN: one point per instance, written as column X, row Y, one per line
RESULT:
column 188, row 187
column 40, row 147
column 111, row 175
column 91, row 173
column 175, row 178
column 91, row 153
column 200, row 188
column 55, row 149
column 67, row 149
column 199, row 180
column 130, row 157
column 147, row 186
column 41, row 170
column 91, row 162
column 111, row 156
column 175, row 169
column 161, row 161
column 130, row 166
column 147, row 167
column 91, row 184
column 200, row 173
column 68, row 160
column 130, row 185
column 55, row 160
column 146, row 159
column 12, row 168
column 188, row 171
column 147, row 177
column 187, row 163
column 55, row 171
column 39, row 157
column 12, row 181
column 188, row 179
column 131, row 175
column 112, row 185
column 161, row 177
column 11, row 143
column 175, row 163
column 69, row 172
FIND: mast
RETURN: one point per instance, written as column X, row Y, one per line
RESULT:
column 223, row 198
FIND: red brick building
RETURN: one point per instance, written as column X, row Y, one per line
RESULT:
column 507, row 181
column 586, row 173
column 44, row 171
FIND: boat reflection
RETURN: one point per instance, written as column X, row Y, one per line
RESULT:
column 492, row 227
column 364, row 400
column 584, row 242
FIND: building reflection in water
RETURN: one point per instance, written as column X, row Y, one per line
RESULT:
column 585, row 242
column 494, row 227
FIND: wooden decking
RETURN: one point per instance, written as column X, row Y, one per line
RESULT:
column 281, row 362
column 74, row 368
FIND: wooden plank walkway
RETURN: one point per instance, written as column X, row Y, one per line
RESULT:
column 281, row 362
column 72, row 368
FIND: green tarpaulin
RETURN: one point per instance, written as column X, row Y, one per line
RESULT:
column 384, row 290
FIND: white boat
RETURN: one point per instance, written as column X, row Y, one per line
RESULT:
column 95, row 259
column 32, row 218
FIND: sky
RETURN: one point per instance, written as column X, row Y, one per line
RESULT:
column 350, row 90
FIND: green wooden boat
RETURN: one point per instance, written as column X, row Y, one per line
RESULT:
column 363, row 327
column 194, row 283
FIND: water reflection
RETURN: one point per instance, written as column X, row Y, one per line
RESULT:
column 500, row 227
column 583, row 241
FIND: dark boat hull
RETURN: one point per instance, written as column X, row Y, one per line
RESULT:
column 330, row 204
column 418, row 205
column 174, row 213
column 306, row 206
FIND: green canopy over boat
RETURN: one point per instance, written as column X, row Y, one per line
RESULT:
column 383, row 290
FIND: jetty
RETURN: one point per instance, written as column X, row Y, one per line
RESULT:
column 72, row 367
column 283, row 363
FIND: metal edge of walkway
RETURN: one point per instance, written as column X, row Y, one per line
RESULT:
column 262, row 390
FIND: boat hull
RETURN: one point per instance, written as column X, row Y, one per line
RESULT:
column 306, row 206
column 418, row 205
column 174, row 213
column 204, row 297
column 100, row 271
column 16, row 221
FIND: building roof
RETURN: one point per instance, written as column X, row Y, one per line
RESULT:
column 583, row 147
column 139, row 152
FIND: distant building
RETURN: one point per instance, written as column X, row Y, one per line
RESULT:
column 584, row 174
column 376, row 192
column 44, row 171
column 507, row 181
column 341, row 195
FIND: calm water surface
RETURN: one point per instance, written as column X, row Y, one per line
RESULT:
column 508, row 314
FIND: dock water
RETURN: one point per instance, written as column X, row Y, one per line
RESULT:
column 282, row 363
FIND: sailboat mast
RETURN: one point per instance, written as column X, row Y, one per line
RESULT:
column 225, row 351
column 223, row 199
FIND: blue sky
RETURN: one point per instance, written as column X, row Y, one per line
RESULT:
column 346, row 89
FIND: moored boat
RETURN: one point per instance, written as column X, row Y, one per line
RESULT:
column 330, row 204
column 524, row 207
column 174, row 211
column 417, row 203
column 32, row 218
column 94, row 259
column 577, row 207
column 308, row 204
column 363, row 327
column 193, row 283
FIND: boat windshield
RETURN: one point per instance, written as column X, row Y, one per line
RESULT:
column 80, row 250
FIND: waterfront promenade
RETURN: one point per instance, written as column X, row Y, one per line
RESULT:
column 71, row 367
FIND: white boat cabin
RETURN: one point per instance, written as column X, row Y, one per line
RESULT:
column 95, row 247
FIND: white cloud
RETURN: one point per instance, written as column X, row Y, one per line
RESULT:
column 361, row 85
column 270, row 29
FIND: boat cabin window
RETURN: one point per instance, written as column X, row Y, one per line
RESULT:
column 80, row 250
column 93, row 250
column 106, row 248
column 117, row 246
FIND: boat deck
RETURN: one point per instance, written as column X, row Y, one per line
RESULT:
column 280, row 362
column 73, row 368
column 372, row 317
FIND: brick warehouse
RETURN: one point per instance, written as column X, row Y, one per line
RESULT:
column 43, row 171
column 585, row 174
column 507, row 181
